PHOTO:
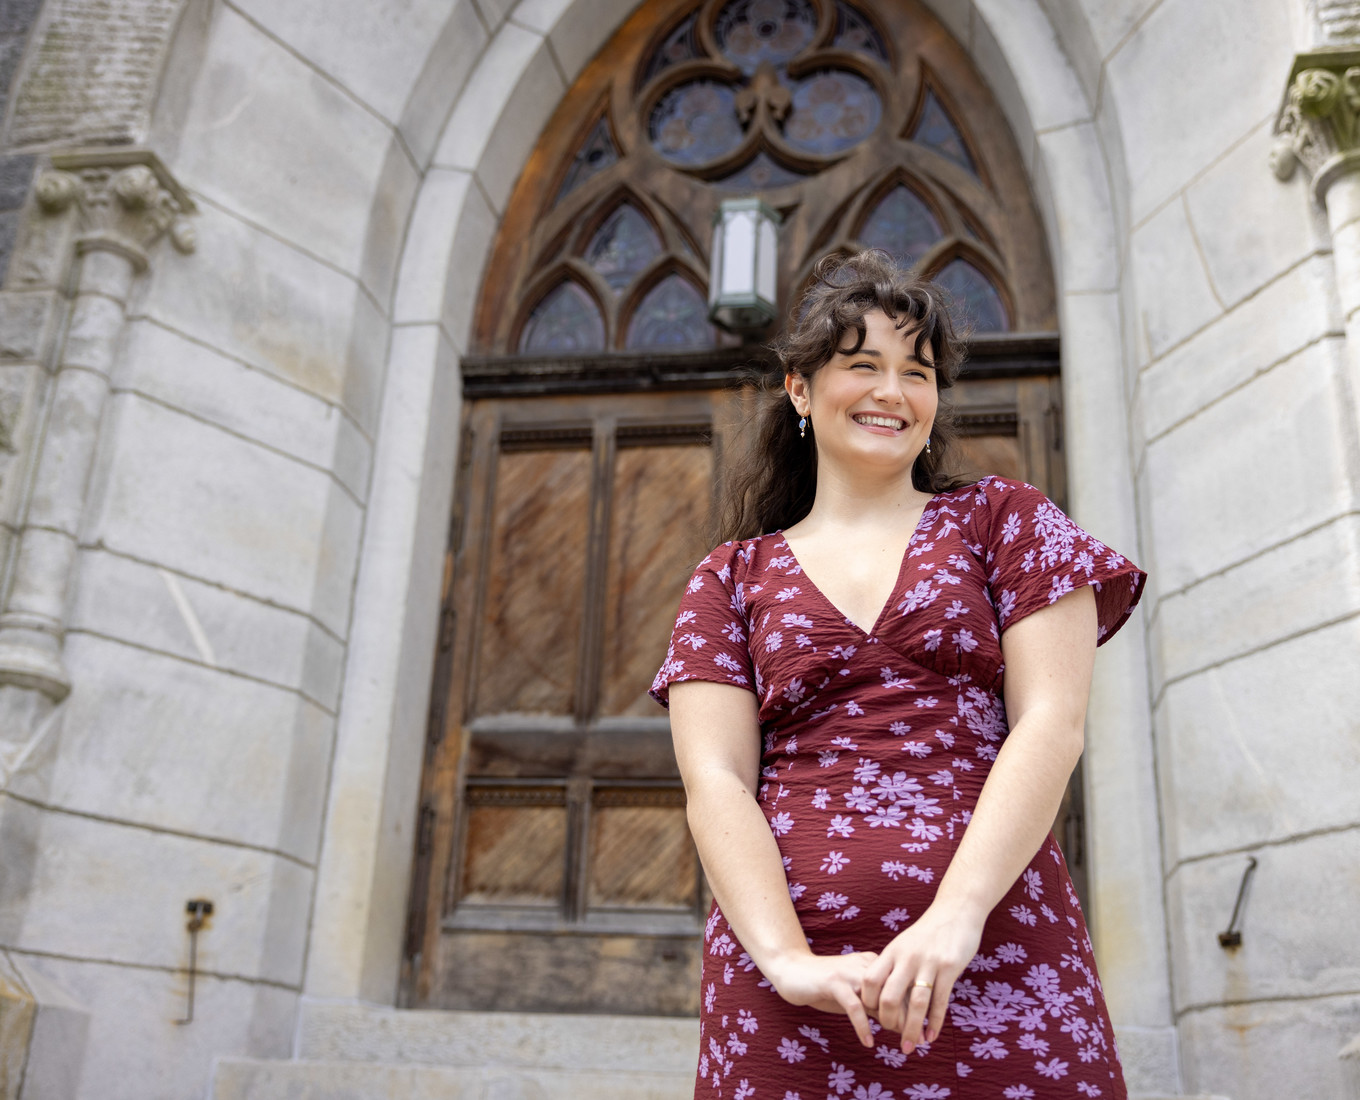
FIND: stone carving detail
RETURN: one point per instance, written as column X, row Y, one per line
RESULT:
column 65, row 98
column 1337, row 21
column 1319, row 124
column 126, row 199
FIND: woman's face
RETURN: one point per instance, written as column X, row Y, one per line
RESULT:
column 874, row 408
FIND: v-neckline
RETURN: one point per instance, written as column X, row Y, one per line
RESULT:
column 872, row 633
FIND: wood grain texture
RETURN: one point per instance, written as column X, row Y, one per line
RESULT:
column 657, row 535
column 535, row 583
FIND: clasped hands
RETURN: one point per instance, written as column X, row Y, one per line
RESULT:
column 905, row 987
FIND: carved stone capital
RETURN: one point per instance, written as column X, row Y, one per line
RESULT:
column 126, row 200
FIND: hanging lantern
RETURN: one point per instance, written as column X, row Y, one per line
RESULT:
column 741, row 285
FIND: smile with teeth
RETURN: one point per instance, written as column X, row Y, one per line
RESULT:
column 894, row 422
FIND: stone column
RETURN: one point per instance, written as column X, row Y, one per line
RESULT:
column 124, row 201
column 1318, row 128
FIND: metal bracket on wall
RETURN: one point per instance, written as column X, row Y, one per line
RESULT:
column 199, row 910
column 1233, row 936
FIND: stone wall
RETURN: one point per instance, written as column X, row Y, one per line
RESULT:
column 249, row 624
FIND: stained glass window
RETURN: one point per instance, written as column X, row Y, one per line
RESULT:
column 901, row 224
column 832, row 111
column 753, row 31
column 596, row 154
column 854, row 32
column 622, row 247
column 671, row 317
column 680, row 45
column 977, row 302
column 938, row 131
column 759, row 173
column 696, row 122
column 565, row 321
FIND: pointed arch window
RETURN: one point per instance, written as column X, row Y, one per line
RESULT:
column 861, row 121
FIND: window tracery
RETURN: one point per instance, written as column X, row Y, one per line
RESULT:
column 863, row 124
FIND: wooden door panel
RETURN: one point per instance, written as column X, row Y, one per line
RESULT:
column 658, row 533
column 529, row 642
column 513, row 846
column 641, row 854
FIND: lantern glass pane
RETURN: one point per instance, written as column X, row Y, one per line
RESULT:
column 739, row 253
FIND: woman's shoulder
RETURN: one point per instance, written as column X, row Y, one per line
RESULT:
column 737, row 558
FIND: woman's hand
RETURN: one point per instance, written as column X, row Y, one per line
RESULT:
column 831, row 983
column 909, row 984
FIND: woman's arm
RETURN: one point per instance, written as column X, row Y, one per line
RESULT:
column 717, row 745
column 1049, row 657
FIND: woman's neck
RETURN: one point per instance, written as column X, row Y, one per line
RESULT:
column 846, row 503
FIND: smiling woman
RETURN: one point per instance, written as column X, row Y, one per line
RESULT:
column 877, row 694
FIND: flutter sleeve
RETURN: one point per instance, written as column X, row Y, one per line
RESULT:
column 709, row 641
column 1036, row 555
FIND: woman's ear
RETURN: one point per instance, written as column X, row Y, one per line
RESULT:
column 796, row 386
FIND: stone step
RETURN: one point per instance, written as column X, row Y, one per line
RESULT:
column 248, row 1079
column 330, row 1032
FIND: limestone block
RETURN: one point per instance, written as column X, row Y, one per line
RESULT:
column 505, row 103
column 63, row 99
column 259, row 300
column 135, row 1050
column 1247, row 738
column 471, row 246
column 130, row 601
column 239, row 1079
column 1299, row 934
column 1350, row 1067
column 577, row 37
column 362, row 883
column 1310, row 581
column 17, row 1009
column 1268, row 1050
column 1112, row 20
column 1174, row 295
column 20, row 385
column 387, row 219
column 1181, row 105
column 1052, row 93
column 446, row 68
column 995, row 64
column 161, row 364
column 1150, row 1060
column 212, row 505
column 1087, row 253
column 494, row 12
column 271, row 139
column 1228, row 483
column 365, row 359
column 27, row 320
column 428, row 259
column 158, row 741
column 1250, row 228
column 1073, row 28
column 374, row 51
column 1286, row 316
column 117, row 893
column 58, row 1031
column 337, row 1032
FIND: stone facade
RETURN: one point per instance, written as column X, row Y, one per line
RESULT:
column 229, row 397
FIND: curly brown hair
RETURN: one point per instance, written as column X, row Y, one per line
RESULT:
column 771, row 486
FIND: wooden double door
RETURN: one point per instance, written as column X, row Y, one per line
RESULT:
column 554, row 869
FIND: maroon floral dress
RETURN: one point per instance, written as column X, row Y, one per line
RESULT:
column 876, row 747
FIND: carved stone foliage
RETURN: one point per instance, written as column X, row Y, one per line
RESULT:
column 125, row 200
column 1319, row 122
column 1337, row 21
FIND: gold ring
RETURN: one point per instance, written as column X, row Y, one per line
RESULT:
column 918, row 984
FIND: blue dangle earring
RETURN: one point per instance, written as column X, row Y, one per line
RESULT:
column 927, row 444
column 802, row 429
